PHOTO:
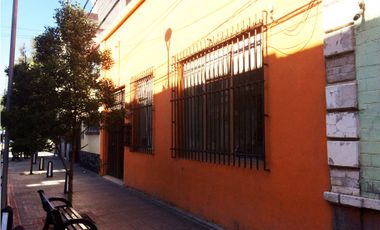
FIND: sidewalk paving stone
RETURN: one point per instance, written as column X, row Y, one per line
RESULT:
column 111, row 206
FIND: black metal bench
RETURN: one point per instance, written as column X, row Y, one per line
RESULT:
column 63, row 216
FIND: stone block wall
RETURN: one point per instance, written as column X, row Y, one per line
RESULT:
column 90, row 161
column 342, row 119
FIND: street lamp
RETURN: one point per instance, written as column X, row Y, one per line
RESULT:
column 4, row 181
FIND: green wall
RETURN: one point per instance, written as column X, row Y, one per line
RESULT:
column 368, row 76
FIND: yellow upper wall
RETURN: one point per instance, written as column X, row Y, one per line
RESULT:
column 139, row 42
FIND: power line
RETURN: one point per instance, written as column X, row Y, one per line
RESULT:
column 157, row 20
column 238, row 11
column 187, row 25
column 303, row 22
column 23, row 28
column 19, row 36
column 241, row 9
column 93, row 6
column 203, row 17
column 84, row 7
column 304, row 42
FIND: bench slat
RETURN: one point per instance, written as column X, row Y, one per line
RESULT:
column 75, row 215
column 67, row 214
column 72, row 214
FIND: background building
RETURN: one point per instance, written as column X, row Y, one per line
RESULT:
column 105, row 13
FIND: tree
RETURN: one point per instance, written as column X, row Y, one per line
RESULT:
column 26, row 120
column 68, row 57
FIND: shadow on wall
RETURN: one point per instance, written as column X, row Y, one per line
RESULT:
column 296, row 153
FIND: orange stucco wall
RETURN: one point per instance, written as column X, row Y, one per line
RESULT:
column 290, row 196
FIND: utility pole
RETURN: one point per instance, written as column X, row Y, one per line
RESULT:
column 4, row 185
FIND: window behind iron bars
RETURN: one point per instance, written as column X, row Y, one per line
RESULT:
column 119, row 99
column 142, row 107
column 218, row 104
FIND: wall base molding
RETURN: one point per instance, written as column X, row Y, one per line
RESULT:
column 353, row 201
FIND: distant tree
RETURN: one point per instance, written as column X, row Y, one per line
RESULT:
column 27, row 119
column 68, row 58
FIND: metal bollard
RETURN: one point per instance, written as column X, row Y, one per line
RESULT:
column 49, row 172
column 66, row 188
column 41, row 164
column 34, row 158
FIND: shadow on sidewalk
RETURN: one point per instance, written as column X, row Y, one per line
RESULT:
column 110, row 205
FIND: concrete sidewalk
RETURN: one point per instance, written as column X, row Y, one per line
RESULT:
column 111, row 206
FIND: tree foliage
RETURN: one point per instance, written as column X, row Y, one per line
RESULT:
column 26, row 120
column 67, row 55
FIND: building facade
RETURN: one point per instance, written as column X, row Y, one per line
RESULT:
column 226, row 109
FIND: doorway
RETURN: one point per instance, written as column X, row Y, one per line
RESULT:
column 115, row 151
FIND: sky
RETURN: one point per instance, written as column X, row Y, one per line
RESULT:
column 33, row 16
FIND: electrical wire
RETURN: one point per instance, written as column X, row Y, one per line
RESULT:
column 189, row 24
column 303, row 21
column 203, row 17
column 244, row 7
column 238, row 11
column 281, row 50
column 96, row 1
column 241, row 9
column 19, row 36
column 157, row 20
column 23, row 28
column 84, row 7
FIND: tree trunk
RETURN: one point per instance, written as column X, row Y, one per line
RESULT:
column 74, row 152
column 31, row 166
column 71, row 171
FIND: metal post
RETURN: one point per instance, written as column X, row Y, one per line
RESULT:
column 41, row 164
column 66, row 188
column 49, row 172
column 4, row 186
column 34, row 158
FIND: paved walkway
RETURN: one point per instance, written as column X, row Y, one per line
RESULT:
column 111, row 206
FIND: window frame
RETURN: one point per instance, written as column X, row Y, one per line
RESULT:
column 225, row 62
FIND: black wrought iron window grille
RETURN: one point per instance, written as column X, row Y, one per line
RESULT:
column 142, row 115
column 115, row 119
column 218, row 103
column 119, row 96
